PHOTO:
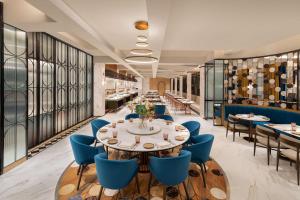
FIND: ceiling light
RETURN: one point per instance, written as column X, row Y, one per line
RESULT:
column 141, row 59
column 141, row 25
column 142, row 52
column 142, row 38
column 142, row 44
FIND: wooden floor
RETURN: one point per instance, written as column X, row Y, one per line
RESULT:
column 217, row 185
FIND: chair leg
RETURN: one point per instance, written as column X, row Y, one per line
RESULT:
column 80, row 175
column 164, row 192
column 227, row 131
column 78, row 170
column 233, row 139
column 186, row 191
column 297, row 165
column 204, row 167
column 254, row 151
column 203, row 177
column 239, row 133
column 149, row 184
column 100, row 193
column 268, row 154
column 137, row 183
column 278, row 154
column 95, row 142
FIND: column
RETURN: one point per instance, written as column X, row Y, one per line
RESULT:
column 99, row 89
column 171, row 89
column 175, row 88
column 189, row 86
column 180, row 85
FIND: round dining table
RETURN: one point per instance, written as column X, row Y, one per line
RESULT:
column 252, row 118
column 151, row 137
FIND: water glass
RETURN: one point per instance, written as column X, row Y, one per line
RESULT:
column 165, row 136
column 137, row 139
column 115, row 133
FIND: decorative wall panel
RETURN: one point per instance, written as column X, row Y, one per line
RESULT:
column 60, row 87
column 265, row 81
column 14, row 83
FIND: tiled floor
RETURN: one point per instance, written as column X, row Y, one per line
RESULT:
column 250, row 178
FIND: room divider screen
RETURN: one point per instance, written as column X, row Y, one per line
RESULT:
column 60, row 85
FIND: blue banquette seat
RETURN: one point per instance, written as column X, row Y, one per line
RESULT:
column 276, row 115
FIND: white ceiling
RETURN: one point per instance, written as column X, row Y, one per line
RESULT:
column 182, row 34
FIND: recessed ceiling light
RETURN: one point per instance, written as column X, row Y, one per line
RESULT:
column 142, row 44
column 141, row 59
column 143, row 52
column 142, row 38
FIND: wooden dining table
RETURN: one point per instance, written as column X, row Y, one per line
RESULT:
column 250, row 118
column 285, row 129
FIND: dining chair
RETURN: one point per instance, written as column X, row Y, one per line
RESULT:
column 159, row 110
column 170, row 171
column 132, row 116
column 96, row 125
column 193, row 127
column 83, row 152
column 166, row 117
column 235, row 125
column 115, row 174
column 265, row 137
column 200, row 150
column 289, row 151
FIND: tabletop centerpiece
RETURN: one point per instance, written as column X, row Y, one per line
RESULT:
column 144, row 112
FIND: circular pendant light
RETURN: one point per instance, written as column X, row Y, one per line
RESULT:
column 141, row 59
column 141, row 52
column 142, row 44
column 142, row 38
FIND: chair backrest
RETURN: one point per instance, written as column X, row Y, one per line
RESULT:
column 166, row 117
column 82, row 150
column 192, row 126
column 232, row 119
column 201, row 148
column 159, row 109
column 115, row 174
column 132, row 116
column 97, row 124
column 265, row 132
column 289, row 142
column 171, row 170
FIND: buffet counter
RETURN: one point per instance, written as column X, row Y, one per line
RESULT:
column 115, row 101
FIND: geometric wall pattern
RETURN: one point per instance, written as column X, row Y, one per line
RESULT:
column 59, row 87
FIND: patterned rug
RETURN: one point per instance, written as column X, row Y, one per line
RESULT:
column 217, row 185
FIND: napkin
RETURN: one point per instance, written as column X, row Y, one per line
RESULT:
column 163, row 144
column 125, row 144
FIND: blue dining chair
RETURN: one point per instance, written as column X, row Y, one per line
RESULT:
column 159, row 110
column 83, row 152
column 193, row 127
column 96, row 125
column 200, row 149
column 166, row 117
column 132, row 116
column 170, row 171
column 115, row 174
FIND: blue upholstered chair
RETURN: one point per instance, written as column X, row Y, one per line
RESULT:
column 193, row 127
column 132, row 116
column 166, row 117
column 83, row 152
column 115, row 174
column 159, row 110
column 170, row 171
column 96, row 125
column 200, row 150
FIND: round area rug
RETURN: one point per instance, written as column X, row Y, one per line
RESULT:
column 217, row 186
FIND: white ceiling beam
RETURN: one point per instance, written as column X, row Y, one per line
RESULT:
column 69, row 17
column 158, row 14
